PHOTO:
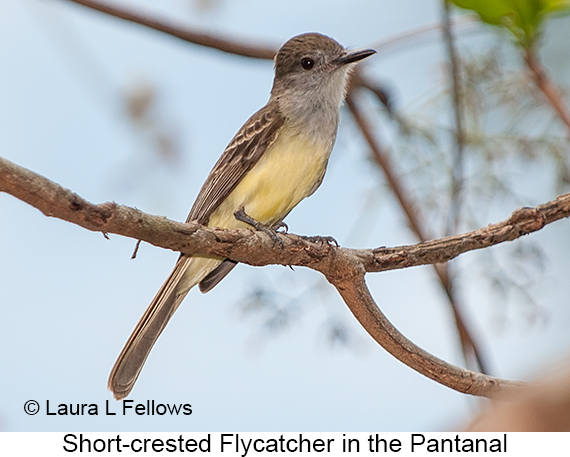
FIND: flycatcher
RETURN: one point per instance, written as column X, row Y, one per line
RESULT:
column 278, row 158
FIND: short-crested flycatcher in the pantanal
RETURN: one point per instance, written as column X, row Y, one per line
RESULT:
column 277, row 159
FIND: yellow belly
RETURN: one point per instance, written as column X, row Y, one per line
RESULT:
column 286, row 174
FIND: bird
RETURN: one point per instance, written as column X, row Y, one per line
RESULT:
column 277, row 158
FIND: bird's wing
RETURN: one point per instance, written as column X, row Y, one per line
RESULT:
column 243, row 152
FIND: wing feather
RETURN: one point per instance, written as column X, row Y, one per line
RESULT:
column 243, row 152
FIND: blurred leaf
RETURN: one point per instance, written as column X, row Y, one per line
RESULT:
column 522, row 17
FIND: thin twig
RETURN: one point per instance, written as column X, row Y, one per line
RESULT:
column 382, row 160
column 457, row 161
column 468, row 345
column 409, row 208
column 546, row 86
column 419, row 34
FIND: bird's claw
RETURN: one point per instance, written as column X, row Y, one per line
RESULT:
column 282, row 225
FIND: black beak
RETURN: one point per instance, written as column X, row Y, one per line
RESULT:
column 354, row 56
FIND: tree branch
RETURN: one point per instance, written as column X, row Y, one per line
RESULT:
column 522, row 222
column 357, row 296
column 231, row 46
column 190, row 238
column 344, row 268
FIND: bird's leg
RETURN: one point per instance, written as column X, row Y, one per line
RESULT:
column 242, row 216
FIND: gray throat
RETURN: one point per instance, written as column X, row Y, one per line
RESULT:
column 313, row 107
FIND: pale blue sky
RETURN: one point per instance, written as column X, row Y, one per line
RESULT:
column 69, row 298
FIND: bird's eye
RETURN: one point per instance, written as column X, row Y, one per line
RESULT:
column 307, row 63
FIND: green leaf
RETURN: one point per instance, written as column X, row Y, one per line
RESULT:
column 522, row 17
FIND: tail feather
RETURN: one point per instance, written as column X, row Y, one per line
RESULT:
column 188, row 272
column 216, row 275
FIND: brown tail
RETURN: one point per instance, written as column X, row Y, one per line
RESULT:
column 188, row 272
